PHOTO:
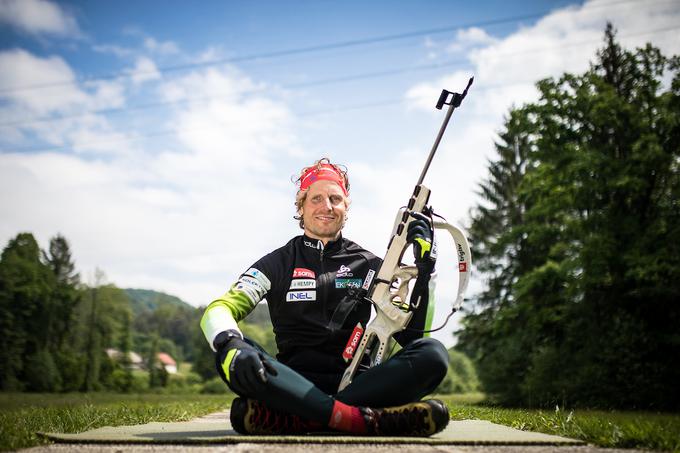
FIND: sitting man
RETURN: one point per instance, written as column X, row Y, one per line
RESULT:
column 305, row 282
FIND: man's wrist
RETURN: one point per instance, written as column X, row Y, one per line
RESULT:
column 223, row 338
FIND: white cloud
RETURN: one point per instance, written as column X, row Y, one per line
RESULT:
column 38, row 17
column 144, row 70
column 160, row 47
column 54, row 104
column 470, row 37
column 21, row 72
column 119, row 51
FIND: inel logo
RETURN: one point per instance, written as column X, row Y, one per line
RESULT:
column 300, row 296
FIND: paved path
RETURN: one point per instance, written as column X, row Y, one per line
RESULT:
column 310, row 447
column 313, row 448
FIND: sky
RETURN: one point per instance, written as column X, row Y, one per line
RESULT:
column 161, row 137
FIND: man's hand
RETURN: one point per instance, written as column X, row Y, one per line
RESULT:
column 242, row 366
column 420, row 234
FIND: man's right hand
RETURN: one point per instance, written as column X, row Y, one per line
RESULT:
column 242, row 366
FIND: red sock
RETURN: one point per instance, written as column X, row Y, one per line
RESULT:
column 347, row 418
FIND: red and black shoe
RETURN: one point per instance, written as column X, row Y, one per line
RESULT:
column 250, row 416
column 419, row 419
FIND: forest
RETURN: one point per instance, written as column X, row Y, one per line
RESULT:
column 578, row 238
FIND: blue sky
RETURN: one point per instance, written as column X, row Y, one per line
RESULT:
column 160, row 137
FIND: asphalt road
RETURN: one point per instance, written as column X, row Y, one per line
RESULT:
column 313, row 448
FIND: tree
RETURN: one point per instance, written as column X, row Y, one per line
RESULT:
column 584, row 270
column 25, row 297
column 66, row 295
column 125, row 382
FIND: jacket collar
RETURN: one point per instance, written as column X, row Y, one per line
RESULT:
column 317, row 244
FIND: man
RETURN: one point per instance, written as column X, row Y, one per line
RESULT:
column 313, row 288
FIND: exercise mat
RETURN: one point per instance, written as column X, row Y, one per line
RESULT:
column 215, row 428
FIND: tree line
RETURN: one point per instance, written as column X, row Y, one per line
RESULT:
column 54, row 329
column 578, row 236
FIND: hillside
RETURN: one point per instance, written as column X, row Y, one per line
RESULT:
column 148, row 300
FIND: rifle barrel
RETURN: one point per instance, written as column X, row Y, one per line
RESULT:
column 455, row 102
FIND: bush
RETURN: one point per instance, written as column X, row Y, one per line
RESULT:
column 215, row 386
column 461, row 376
column 184, row 383
column 140, row 382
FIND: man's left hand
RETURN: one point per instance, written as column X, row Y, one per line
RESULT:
column 420, row 233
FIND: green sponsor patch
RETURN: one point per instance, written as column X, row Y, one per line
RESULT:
column 348, row 283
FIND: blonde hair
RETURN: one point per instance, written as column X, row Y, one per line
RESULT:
column 301, row 194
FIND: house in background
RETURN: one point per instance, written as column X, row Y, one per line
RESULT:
column 167, row 362
column 136, row 361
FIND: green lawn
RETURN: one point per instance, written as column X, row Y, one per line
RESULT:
column 23, row 414
column 620, row 429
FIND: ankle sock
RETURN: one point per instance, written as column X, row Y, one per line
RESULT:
column 347, row 418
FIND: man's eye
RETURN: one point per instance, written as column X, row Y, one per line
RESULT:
column 335, row 199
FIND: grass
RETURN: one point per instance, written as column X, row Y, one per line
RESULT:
column 24, row 414
column 613, row 429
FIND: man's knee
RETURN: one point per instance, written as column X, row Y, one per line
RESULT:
column 431, row 355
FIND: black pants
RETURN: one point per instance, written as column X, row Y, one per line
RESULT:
column 408, row 376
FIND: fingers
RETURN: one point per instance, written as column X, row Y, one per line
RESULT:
column 269, row 366
column 420, row 216
column 417, row 229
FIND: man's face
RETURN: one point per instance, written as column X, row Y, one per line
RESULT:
column 324, row 210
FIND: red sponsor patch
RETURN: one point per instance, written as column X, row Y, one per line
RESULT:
column 353, row 342
column 462, row 267
column 301, row 272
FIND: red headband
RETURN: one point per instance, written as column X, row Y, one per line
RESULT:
column 323, row 172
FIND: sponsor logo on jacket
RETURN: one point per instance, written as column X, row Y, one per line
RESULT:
column 301, row 272
column 344, row 271
column 300, row 296
column 254, row 284
column 348, row 283
column 306, row 283
column 315, row 245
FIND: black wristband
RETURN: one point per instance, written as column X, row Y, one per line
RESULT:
column 225, row 337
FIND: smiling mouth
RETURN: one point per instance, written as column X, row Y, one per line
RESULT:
column 325, row 218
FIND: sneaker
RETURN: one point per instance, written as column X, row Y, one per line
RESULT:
column 419, row 419
column 250, row 416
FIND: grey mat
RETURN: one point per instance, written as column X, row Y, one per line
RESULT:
column 216, row 428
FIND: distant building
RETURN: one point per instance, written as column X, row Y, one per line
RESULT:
column 136, row 362
column 168, row 362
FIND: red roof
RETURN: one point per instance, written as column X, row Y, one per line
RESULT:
column 166, row 359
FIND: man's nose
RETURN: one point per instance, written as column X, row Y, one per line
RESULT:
column 328, row 204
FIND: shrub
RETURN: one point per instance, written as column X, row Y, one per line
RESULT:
column 215, row 386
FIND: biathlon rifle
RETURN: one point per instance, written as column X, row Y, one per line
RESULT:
column 388, row 291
